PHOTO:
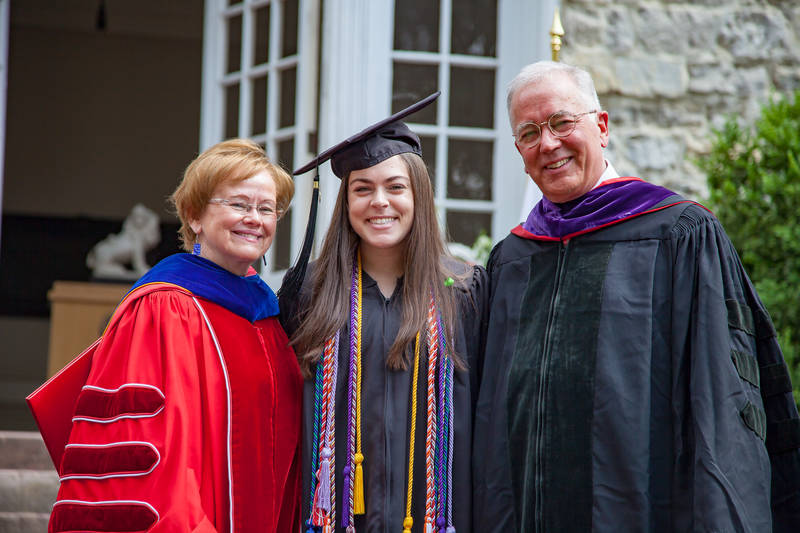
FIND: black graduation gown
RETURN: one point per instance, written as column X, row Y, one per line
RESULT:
column 386, row 416
column 631, row 378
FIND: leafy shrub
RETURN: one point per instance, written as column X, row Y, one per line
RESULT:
column 754, row 182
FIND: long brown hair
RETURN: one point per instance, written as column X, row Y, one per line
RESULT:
column 423, row 266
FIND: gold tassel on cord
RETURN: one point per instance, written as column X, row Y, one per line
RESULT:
column 358, row 490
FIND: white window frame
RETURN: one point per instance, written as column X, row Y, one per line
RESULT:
column 356, row 90
column 216, row 80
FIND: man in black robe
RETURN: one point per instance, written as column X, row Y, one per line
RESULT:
column 632, row 377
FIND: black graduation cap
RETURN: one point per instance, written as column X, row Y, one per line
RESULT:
column 370, row 146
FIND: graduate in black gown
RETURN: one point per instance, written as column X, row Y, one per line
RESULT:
column 633, row 380
column 387, row 327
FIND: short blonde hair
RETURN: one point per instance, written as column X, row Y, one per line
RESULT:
column 230, row 161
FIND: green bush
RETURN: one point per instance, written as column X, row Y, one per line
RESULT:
column 754, row 183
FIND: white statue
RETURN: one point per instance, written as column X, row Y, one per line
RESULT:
column 109, row 258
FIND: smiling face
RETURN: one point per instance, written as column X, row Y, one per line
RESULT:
column 233, row 240
column 564, row 168
column 381, row 205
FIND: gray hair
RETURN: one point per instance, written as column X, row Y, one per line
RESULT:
column 536, row 72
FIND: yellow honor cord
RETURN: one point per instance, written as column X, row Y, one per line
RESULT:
column 358, row 489
column 409, row 521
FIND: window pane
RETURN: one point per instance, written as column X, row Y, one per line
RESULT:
column 282, row 243
column 466, row 226
column 234, row 44
column 474, row 30
column 261, row 43
column 412, row 83
column 259, row 116
column 288, row 80
column 416, row 25
column 232, row 111
column 471, row 97
column 469, row 175
column 286, row 154
column 289, row 41
column 429, row 156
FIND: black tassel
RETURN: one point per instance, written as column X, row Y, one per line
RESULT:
column 295, row 276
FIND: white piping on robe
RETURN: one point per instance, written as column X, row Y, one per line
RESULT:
column 228, row 401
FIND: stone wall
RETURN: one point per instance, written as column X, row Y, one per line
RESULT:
column 669, row 71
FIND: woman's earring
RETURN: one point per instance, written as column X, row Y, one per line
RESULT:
column 196, row 248
column 264, row 259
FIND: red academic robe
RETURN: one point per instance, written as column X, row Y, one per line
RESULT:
column 189, row 422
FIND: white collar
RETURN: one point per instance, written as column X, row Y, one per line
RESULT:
column 609, row 173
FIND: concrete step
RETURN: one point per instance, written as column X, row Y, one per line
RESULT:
column 23, row 522
column 28, row 491
column 23, row 450
column 28, row 483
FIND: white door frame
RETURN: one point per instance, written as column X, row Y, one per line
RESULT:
column 4, row 29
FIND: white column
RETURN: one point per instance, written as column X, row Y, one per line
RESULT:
column 355, row 83
column 523, row 37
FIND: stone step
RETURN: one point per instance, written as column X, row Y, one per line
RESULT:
column 17, row 522
column 28, row 483
column 24, row 450
column 27, row 491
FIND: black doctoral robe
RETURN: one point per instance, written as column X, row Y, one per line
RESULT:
column 632, row 382
column 386, row 408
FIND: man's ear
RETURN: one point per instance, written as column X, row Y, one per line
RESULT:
column 602, row 123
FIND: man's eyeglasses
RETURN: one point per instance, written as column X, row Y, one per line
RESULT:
column 242, row 208
column 560, row 123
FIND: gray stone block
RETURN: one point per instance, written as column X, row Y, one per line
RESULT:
column 23, row 522
column 651, row 76
column 27, row 490
column 39, row 490
column 24, row 449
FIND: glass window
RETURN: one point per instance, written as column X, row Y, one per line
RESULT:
column 232, row 111
column 259, row 111
column 261, row 41
column 466, row 226
column 429, row 156
column 463, row 187
column 474, row 27
column 288, row 79
column 416, row 25
column 471, row 97
column 469, row 174
column 411, row 83
column 234, row 48
column 289, row 36
column 282, row 243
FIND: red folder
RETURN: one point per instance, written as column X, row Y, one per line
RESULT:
column 53, row 403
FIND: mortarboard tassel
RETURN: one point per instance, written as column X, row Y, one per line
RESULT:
column 295, row 276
